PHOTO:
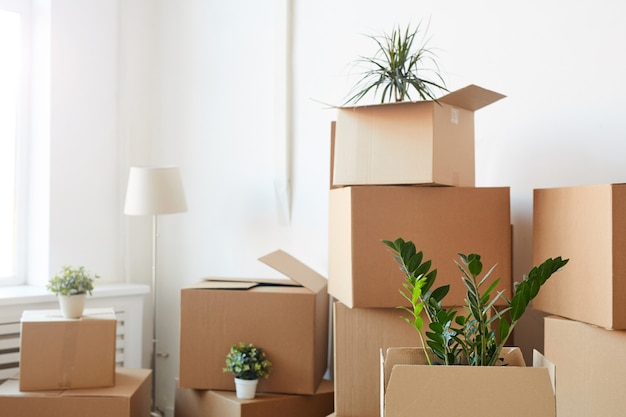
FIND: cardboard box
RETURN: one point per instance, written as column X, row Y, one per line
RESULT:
column 441, row 221
column 587, row 225
column 486, row 391
column 590, row 368
column 78, row 353
column 359, row 334
column 420, row 142
column 129, row 397
column 289, row 321
column 208, row 403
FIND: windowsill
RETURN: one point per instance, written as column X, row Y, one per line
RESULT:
column 29, row 294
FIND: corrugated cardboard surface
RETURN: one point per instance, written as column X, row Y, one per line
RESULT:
column 441, row 221
column 289, row 323
column 359, row 335
column 129, row 397
column 409, row 143
column 59, row 353
column 207, row 403
column 514, row 391
column 590, row 370
column 587, row 225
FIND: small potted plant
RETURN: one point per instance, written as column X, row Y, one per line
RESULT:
column 248, row 363
column 400, row 65
column 72, row 285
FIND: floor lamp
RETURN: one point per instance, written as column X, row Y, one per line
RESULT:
column 153, row 191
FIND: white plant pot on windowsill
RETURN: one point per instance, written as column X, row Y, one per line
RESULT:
column 72, row 306
column 246, row 388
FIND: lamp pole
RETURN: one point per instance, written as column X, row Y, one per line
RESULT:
column 155, row 410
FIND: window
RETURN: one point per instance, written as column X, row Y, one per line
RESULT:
column 12, row 115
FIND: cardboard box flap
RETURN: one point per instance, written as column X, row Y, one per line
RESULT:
column 471, row 97
column 223, row 283
column 540, row 361
column 295, row 270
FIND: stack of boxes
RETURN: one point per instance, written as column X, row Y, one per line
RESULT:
column 586, row 340
column 403, row 170
column 67, row 369
column 288, row 318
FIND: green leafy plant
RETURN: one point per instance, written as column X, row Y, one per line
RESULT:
column 248, row 362
column 478, row 336
column 399, row 65
column 71, row 281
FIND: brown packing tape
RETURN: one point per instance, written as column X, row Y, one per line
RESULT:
column 70, row 338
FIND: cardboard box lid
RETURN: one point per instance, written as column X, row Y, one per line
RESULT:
column 296, row 274
column 295, row 270
column 471, row 97
column 509, row 387
column 31, row 316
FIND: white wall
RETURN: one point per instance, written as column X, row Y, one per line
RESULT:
column 558, row 62
column 197, row 88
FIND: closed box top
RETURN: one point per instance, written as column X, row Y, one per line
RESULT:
column 587, row 225
column 423, row 142
column 287, row 320
column 129, row 397
column 58, row 353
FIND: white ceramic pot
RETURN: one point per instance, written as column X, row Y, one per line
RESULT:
column 72, row 306
column 246, row 388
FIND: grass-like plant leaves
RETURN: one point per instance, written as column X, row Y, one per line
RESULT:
column 397, row 68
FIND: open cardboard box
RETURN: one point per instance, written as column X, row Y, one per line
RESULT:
column 288, row 318
column 410, row 387
column 423, row 142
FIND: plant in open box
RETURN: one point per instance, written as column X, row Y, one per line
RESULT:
column 72, row 285
column 398, row 66
column 248, row 363
column 478, row 336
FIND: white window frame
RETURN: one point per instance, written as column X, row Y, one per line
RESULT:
column 24, row 8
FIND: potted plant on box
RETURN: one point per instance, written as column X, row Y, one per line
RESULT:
column 248, row 363
column 401, row 63
column 72, row 285
column 478, row 336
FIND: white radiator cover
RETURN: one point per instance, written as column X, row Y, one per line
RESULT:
column 127, row 300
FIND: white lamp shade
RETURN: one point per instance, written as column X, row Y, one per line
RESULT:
column 154, row 190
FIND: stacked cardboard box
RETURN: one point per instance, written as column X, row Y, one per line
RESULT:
column 587, row 337
column 288, row 318
column 403, row 170
column 67, row 368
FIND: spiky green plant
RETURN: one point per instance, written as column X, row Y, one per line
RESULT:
column 401, row 63
column 478, row 337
